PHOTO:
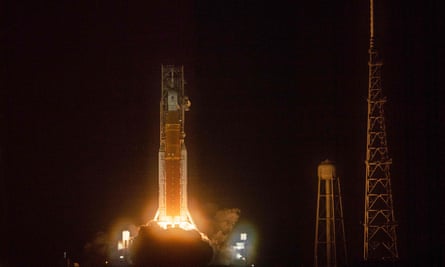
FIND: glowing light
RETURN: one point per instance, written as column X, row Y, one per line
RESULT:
column 125, row 235
column 125, row 238
column 239, row 245
column 243, row 242
column 243, row 236
column 184, row 222
column 177, row 223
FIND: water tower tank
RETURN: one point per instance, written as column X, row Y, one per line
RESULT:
column 326, row 170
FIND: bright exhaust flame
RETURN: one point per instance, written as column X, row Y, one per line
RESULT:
column 176, row 222
column 183, row 225
column 183, row 222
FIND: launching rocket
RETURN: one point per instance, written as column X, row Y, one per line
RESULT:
column 172, row 209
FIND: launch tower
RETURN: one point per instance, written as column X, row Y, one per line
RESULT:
column 172, row 210
column 329, row 226
column 380, row 239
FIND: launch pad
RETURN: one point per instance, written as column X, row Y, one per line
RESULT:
column 155, row 246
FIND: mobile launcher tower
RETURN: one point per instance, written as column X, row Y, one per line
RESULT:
column 173, row 211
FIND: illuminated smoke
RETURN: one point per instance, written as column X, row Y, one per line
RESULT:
column 97, row 250
column 104, row 245
column 223, row 225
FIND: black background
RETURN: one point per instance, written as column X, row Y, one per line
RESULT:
column 276, row 87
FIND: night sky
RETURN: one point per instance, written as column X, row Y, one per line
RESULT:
column 276, row 87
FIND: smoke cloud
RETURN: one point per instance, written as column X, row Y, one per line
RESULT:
column 97, row 250
column 103, row 246
column 223, row 224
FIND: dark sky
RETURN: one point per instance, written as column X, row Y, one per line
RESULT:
column 275, row 87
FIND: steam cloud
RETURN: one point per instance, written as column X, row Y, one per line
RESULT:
column 97, row 250
column 223, row 225
column 103, row 246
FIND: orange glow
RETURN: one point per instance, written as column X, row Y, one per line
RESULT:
column 173, row 164
column 176, row 222
column 172, row 210
column 179, row 222
column 125, row 235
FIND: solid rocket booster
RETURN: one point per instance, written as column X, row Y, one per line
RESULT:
column 172, row 210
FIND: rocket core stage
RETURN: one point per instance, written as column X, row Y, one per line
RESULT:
column 172, row 210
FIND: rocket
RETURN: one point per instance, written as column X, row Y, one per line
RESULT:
column 172, row 204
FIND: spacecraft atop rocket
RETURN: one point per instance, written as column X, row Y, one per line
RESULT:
column 172, row 207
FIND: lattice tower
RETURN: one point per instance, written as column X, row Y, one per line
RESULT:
column 380, row 238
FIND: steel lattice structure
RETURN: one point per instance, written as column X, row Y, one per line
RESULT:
column 380, row 238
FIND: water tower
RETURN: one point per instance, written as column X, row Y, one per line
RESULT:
column 329, row 227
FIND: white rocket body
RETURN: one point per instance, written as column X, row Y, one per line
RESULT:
column 172, row 209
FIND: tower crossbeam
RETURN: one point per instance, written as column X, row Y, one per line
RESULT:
column 380, row 238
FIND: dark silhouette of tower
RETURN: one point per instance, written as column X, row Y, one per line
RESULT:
column 380, row 238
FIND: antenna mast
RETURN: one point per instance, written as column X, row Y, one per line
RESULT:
column 380, row 239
